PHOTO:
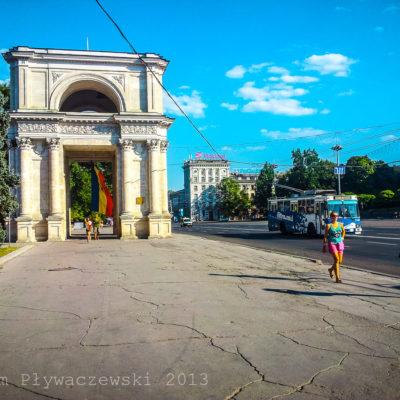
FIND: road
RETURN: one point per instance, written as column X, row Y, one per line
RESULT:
column 377, row 249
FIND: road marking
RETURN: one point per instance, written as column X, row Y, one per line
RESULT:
column 387, row 244
column 371, row 237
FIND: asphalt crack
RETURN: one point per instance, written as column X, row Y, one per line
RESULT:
column 300, row 387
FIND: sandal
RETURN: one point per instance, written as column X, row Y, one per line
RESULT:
column 330, row 272
column 338, row 280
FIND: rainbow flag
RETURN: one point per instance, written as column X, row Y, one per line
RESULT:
column 102, row 201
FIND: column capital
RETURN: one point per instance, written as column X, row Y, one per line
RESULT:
column 53, row 143
column 164, row 145
column 153, row 144
column 126, row 144
column 24, row 143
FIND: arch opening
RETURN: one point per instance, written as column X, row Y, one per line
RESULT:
column 88, row 101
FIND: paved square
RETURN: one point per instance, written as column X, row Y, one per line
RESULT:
column 185, row 318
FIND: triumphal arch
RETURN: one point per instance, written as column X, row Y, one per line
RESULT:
column 72, row 105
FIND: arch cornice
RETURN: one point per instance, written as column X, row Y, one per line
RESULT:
column 78, row 81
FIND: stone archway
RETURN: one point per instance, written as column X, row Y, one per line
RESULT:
column 51, row 94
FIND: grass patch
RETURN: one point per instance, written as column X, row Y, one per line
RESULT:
column 6, row 250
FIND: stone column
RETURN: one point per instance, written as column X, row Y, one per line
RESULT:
column 54, row 176
column 153, row 147
column 127, row 220
column 163, row 177
column 126, row 154
column 25, row 231
column 55, row 218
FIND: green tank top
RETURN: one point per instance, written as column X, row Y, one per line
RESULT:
column 335, row 234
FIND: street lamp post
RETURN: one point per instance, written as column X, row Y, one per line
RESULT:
column 337, row 148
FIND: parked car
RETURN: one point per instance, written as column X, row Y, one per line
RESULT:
column 224, row 219
column 186, row 222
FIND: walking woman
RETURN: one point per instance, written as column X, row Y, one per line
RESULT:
column 334, row 235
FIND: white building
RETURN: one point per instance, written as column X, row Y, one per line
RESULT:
column 201, row 176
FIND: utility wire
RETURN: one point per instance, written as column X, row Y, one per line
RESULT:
column 159, row 82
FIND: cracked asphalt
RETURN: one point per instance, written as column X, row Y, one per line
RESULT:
column 191, row 318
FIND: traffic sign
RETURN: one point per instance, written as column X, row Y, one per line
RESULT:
column 340, row 170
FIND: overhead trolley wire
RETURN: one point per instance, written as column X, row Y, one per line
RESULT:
column 159, row 82
column 189, row 119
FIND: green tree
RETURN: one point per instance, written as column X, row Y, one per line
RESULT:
column 358, row 174
column 8, row 180
column 384, row 177
column 244, row 205
column 264, row 188
column 366, row 200
column 230, row 199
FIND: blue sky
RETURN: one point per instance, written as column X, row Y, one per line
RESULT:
column 259, row 78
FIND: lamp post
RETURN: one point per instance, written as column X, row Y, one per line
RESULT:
column 337, row 148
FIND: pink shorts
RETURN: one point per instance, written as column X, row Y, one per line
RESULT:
column 336, row 247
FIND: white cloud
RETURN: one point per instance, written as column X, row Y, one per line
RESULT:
column 236, row 72
column 226, row 148
column 378, row 29
column 5, row 81
column 336, row 64
column 191, row 104
column 298, row 79
column 278, row 70
column 255, row 148
column 292, row 133
column 273, row 79
column 390, row 9
column 388, row 137
column 258, row 67
column 325, row 111
column 289, row 107
column 229, row 106
column 184, row 87
column 274, row 101
column 348, row 93
column 249, row 92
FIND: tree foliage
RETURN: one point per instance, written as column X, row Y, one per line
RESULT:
column 81, row 187
column 358, row 172
column 8, row 180
column 234, row 202
column 264, row 188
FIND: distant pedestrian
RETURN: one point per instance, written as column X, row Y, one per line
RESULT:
column 334, row 235
column 97, row 222
column 89, row 227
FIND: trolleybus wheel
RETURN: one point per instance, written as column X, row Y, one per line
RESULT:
column 311, row 231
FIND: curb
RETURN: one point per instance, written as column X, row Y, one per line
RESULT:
column 15, row 254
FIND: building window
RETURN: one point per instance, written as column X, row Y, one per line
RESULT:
column 223, row 172
column 203, row 179
column 203, row 187
column 195, row 188
column 195, row 179
column 203, row 171
column 195, row 171
column 210, row 179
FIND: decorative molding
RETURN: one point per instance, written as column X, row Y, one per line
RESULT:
column 120, row 79
column 39, row 149
column 24, row 143
column 32, row 127
column 56, row 76
column 89, row 129
column 137, row 149
column 153, row 144
column 53, row 143
column 138, row 129
column 164, row 146
column 126, row 144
